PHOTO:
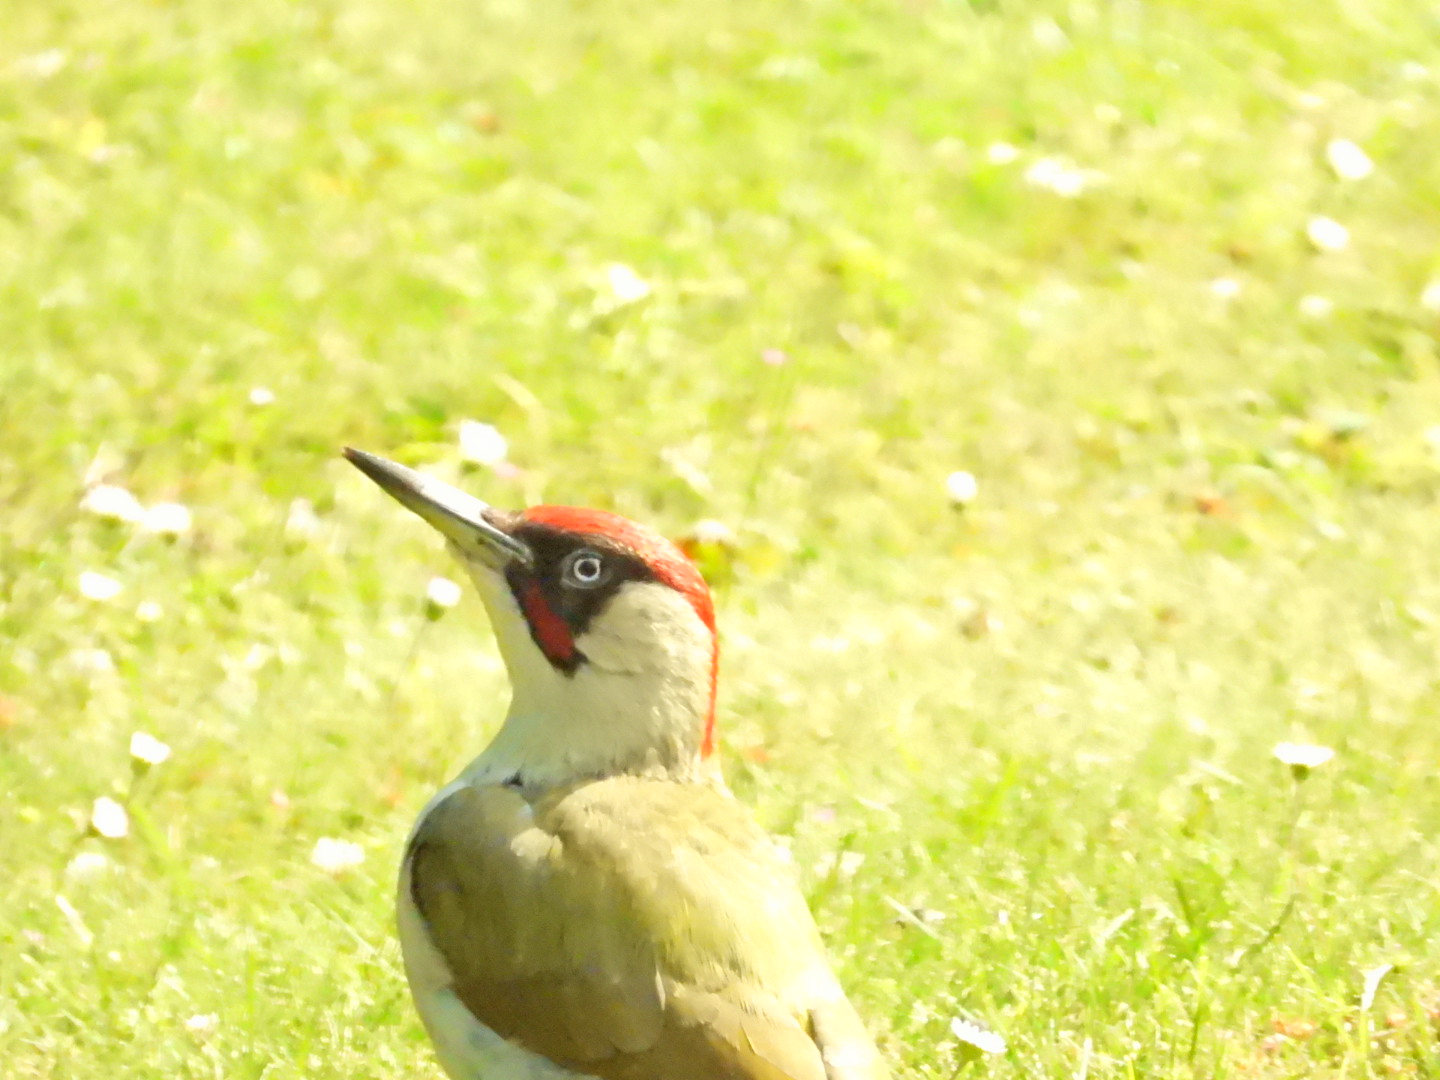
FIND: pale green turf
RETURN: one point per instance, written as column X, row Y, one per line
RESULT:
column 1048, row 718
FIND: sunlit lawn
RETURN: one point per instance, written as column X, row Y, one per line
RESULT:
column 786, row 268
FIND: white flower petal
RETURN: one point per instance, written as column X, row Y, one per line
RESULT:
column 625, row 284
column 97, row 586
column 978, row 1036
column 1001, row 153
column 1302, row 755
column 714, row 531
column 88, row 864
column 260, row 396
column 167, row 519
column 113, row 502
column 1316, row 307
column 482, row 443
column 962, row 487
column 1060, row 177
column 1327, row 234
column 442, row 592
column 202, row 1023
column 108, row 818
column 148, row 749
column 1430, row 296
column 1348, row 160
column 336, row 856
column 149, row 611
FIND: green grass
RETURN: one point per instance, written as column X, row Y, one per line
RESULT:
column 1204, row 526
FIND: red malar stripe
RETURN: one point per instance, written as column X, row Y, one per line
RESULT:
column 551, row 631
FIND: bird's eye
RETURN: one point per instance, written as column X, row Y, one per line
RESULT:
column 585, row 569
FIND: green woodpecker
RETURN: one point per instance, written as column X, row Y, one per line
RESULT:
column 587, row 898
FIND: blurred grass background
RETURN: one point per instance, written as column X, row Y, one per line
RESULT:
column 786, row 267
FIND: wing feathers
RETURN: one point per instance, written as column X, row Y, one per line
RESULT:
column 628, row 929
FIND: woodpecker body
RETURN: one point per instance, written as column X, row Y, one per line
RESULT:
column 587, row 899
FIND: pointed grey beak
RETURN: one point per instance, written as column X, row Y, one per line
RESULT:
column 462, row 519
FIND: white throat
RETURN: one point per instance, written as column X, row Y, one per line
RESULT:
column 637, row 705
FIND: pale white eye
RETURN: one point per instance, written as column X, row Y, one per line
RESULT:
column 586, row 569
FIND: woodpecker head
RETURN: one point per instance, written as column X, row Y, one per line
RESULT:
column 606, row 628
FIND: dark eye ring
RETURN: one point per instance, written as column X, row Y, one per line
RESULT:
column 585, row 569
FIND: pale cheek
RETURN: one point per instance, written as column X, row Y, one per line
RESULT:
column 648, row 628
